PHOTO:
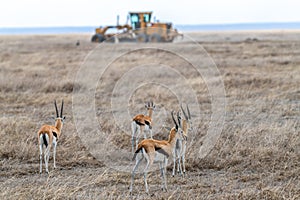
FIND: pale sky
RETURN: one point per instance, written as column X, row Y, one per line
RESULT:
column 37, row 13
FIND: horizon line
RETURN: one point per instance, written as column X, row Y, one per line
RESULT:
column 200, row 24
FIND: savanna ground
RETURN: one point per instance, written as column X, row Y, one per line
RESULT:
column 257, row 155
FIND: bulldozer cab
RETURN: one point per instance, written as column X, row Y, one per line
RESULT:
column 140, row 19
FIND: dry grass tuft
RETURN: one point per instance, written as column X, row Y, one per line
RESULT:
column 256, row 157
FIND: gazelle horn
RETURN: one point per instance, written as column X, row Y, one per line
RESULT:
column 185, row 115
column 179, row 119
column 56, row 108
column 62, row 107
column 187, row 107
column 176, row 125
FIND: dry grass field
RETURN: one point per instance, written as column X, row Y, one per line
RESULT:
column 257, row 155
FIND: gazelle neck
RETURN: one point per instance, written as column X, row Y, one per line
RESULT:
column 150, row 111
column 58, row 124
column 185, row 126
column 172, row 137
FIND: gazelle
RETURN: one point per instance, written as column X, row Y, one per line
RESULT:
column 180, row 148
column 48, row 135
column 141, row 123
column 156, row 151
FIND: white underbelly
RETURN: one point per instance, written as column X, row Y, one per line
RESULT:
column 159, row 157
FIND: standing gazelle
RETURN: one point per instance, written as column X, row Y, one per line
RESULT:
column 141, row 123
column 48, row 135
column 156, row 151
column 182, row 144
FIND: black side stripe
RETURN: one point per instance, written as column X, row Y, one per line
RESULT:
column 135, row 153
column 148, row 123
column 54, row 134
column 162, row 151
column 139, row 123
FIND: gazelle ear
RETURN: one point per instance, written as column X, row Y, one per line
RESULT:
column 146, row 105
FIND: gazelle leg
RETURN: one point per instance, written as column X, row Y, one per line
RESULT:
column 143, row 131
column 133, row 135
column 41, row 157
column 133, row 172
column 178, row 163
column 149, row 157
column 174, row 162
column 164, row 168
column 54, row 152
column 183, row 164
column 46, row 157
column 145, row 178
column 178, row 154
column 150, row 130
column 179, row 169
column 163, row 175
column 139, row 130
column 183, row 158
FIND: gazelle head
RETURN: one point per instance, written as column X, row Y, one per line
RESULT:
column 59, row 116
column 187, row 116
column 177, row 127
column 150, row 107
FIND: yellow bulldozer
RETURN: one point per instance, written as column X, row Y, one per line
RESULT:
column 140, row 29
